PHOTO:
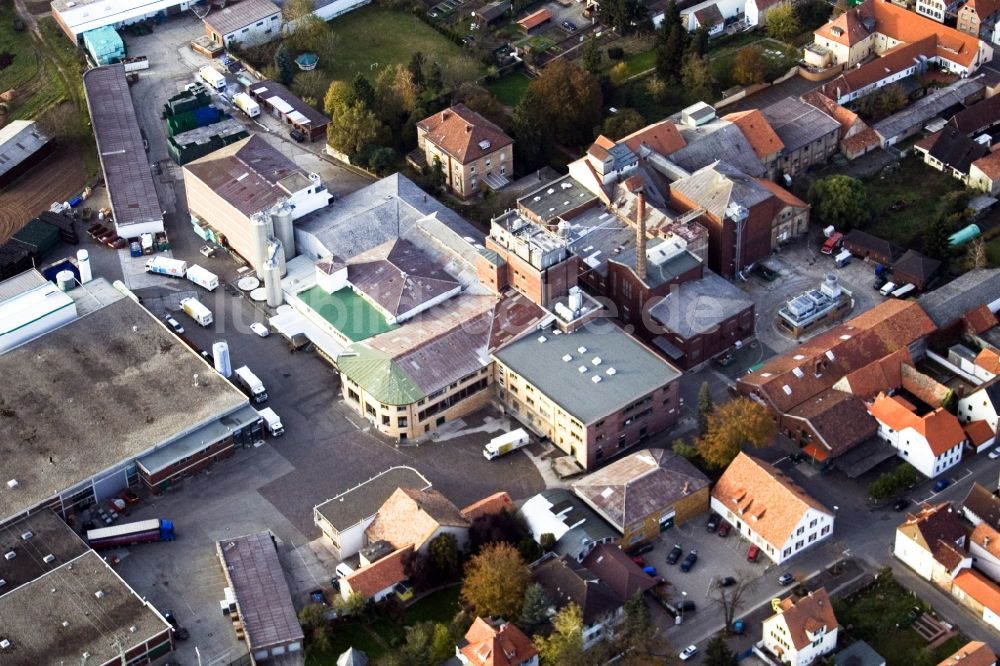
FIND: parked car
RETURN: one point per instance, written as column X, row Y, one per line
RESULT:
column 753, row 553
column 260, row 329
column 639, row 560
column 569, row 26
column 297, row 134
column 649, row 571
column 900, row 504
column 713, row 522
column 174, row 324
column 641, row 549
column 728, row 581
column 995, row 453
column 832, row 242
column 724, row 529
column 786, row 579
column 675, row 554
column 941, row 484
column 686, row 606
column 180, row 632
column 207, row 251
column 688, row 652
column 689, row 561
column 129, row 497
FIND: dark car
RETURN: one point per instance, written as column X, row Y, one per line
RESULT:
column 569, row 26
column 689, row 561
column 639, row 561
column 728, row 581
column 724, row 529
column 641, row 549
column 675, row 554
column 941, row 484
column 786, row 579
column 900, row 504
column 685, row 606
column 713, row 522
column 180, row 632
column 297, row 134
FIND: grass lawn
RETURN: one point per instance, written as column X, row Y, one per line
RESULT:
column 439, row 606
column 510, row 89
column 640, row 62
column 905, row 226
column 779, row 58
column 537, row 43
column 373, row 35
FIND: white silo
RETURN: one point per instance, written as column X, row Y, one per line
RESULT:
column 276, row 253
column 272, row 274
column 65, row 280
column 260, row 231
column 220, row 353
column 83, row 264
column 281, row 218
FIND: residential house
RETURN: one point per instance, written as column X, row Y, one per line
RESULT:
column 379, row 579
column 615, row 568
column 871, row 248
column 566, row 582
column 982, row 506
column 708, row 17
column 856, row 137
column 534, row 20
column 890, row 66
column 496, row 643
column 984, row 173
column 757, row 10
column 973, row 653
column 931, row 440
column 809, row 135
column 979, row 594
column 984, row 548
column 983, row 404
column 979, row 437
column 645, row 493
column 936, row 10
column 802, row 629
column 769, row 509
column 412, row 517
column 978, row 18
column 488, row 506
column 951, row 151
column 917, row 269
column 246, row 23
column 932, row 542
column 472, row 151
column 576, row 527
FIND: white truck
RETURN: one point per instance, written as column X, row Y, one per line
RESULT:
column 250, row 384
column 505, row 443
column 212, row 77
column 202, row 277
column 904, row 291
column 273, row 422
column 165, row 266
column 196, row 310
column 246, row 104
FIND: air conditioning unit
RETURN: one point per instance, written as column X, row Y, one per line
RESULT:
column 99, row 594
column 9, row 555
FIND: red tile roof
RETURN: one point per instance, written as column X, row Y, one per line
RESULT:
column 973, row 653
column 662, row 137
column 841, row 114
column 980, row 319
column 979, row 587
column 500, row 644
column 488, row 506
column 379, row 575
column 939, row 529
column 759, row 133
column 978, row 432
column 882, row 375
column 463, row 133
column 807, row 615
column 782, row 194
column 989, row 360
column 891, row 61
column 866, row 138
column 940, row 427
column 989, row 164
column 535, row 19
column 986, row 536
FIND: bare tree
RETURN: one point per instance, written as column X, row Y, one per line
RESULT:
column 977, row 257
column 732, row 598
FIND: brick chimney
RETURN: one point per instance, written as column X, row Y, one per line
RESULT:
column 445, row 115
column 640, row 237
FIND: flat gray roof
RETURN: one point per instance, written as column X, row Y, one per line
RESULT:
column 20, row 283
column 637, row 370
column 555, row 198
column 948, row 303
column 698, row 306
column 103, row 389
column 32, row 616
column 119, row 145
column 798, row 124
column 926, row 108
column 363, row 500
column 263, row 599
column 192, row 443
column 49, row 536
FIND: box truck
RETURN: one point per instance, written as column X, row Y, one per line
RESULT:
column 128, row 533
column 273, row 422
column 164, row 266
column 246, row 104
column 250, row 384
column 202, row 277
column 196, row 310
column 212, row 77
column 505, row 443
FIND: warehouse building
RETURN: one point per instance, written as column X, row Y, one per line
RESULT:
column 84, row 414
column 19, row 141
column 76, row 17
column 246, row 23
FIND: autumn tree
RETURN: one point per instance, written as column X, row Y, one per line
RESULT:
column 783, row 22
column 839, row 200
column 622, row 124
column 310, row 86
column 532, row 140
column 313, row 621
column 484, row 103
column 296, row 9
column 569, row 102
column 618, row 74
column 495, row 581
column 705, row 407
column 534, row 610
column 976, row 256
column 732, row 598
column 565, row 645
column 309, row 34
column 731, row 425
column 696, row 75
column 427, row 644
column 717, row 653
column 749, row 67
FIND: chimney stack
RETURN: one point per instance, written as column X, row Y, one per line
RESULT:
column 640, row 237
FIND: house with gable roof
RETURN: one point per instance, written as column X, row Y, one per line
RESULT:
column 496, row 643
column 973, row 653
column 931, row 440
column 932, row 542
column 802, row 629
column 412, row 517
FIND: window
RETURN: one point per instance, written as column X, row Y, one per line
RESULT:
column 385, row 419
column 812, row 523
column 260, row 23
column 798, row 544
column 401, row 422
column 503, row 170
column 825, row 530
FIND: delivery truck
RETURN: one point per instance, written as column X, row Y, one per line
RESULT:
column 212, row 77
column 164, row 266
column 505, row 443
column 196, row 310
column 202, row 277
column 273, row 422
column 246, row 104
column 127, row 534
column 250, row 384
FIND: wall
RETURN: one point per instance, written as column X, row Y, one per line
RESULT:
column 976, row 407
column 348, row 542
column 220, row 215
column 980, row 181
column 683, row 510
column 913, row 555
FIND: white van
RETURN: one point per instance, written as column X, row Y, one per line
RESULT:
column 343, row 570
column 887, row 288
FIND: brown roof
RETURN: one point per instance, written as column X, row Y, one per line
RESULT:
column 846, row 29
column 973, row 653
column 379, row 575
column 839, row 419
column 783, row 195
column 769, row 502
column 709, row 16
column 938, row 529
column 989, row 164
column 980, row 588
column 881, row 375
column 923, row 387
column 617, row 570
column 984, row 504
column 978, row 432
column 841, row 114
column 986, row 535
column 758, row 131
column 980, row 319
column 463, row 133
column 662, row 137
column 984, row 9
column 535, row 19
column 398, row 276
column 410, row 517
column 807, row 615
column 978, row 117
column 496, row 644
column 940, row 427
column 566, row 582
column 866, row 138
column 488, row 506
column 238, row 15
column 891, row 62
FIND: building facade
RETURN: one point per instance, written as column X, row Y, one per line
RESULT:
column 802, row 630
column 247, row 23
column 471, row 150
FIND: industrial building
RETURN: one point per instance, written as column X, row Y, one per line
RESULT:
column 247, row 23
column 23, row 145
column 134, row 204
column 76, row 17
column 281, row 103
column 30, row 306
column 104, row 45
column 815, row 308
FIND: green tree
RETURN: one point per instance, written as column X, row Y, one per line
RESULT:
column 731, row 426
column 840, row 200
column 591, row 55
column 443, row 551
column 308, row 35
column 671, row 44
column 437, row 174
column 783, row 22
column 442, row 644
column 696, row 74
column 547, row 541
column 749, row 66
column 705, row 407
column 425, row 646
column 284, row 65
column 618, row 74
column 364, row 92
column 534, row 610
column 657, row 88
column 623, row 123
column 495, row 581
column 812, row 13
column 683, row 449
column 698, row 44
column 569, row 102
column 565, row 645
column 638, row 638
column 532, row 140
column 310, row 85
column 416, row 68
column 622, row 15
column 382, row 160
column 435, row 78
column 354, row 128
column 717, row 653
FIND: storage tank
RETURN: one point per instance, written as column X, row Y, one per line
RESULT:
column 281, row 217
column 220, row 353
column 272, row 284
column 575, row 299
column 964, row 235
column 260, row 231
column 64, row 280
column 83, row 265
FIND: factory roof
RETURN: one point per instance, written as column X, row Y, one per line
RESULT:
column 625, row 369
column 19, row 140
column 121, row 361
column 233, row 17
column 353, row 316
column 798, row 124
column 399, row 277
column 721, row 138
column 556, row 198
column 120, row 147
column 363, row 500
column 925, row 108
column 663, row 263
column 696, row 307
column 31, row 305
column 263, row 600
column 947, row 304
column 14, row 286
column 718, row 185
column 46, row 535
column 99, row 610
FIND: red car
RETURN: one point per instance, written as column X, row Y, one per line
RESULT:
column 129, row 496
column 724, row 529
column 832, row 242
column 753, row 554
column 638, row 559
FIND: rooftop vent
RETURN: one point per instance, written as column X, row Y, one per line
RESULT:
column 49, row 559
column 99, row 594
column 787, row 389
column 798, row 372
column 4, row 644
column 597, row 360
column 582, row 350
column 567, row 358
column 132, row 629
column 582, row 369
column 596, row 379
column 798, row 357
column 27, row 535
column 2, row 582
column 829, row 354
column 610, row 371
column 541, row 338
column 12, row 484
column 65, row 623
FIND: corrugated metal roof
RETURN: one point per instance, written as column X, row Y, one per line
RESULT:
column 239, row 15
column 19, row 140
column 798, row 124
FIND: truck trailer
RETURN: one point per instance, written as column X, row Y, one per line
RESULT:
column 246, row 104
column 164, row 266
column 250, row 384
column 196, row 310
column 128, row 533
column 505, row 443
column 202, row 277
column 273, row 422
column 213, row 77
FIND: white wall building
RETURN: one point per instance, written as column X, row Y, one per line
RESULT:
column 932, row 543
column 801, row 631
column 76, row 17
column 983, row 404
column 931, row 443
column 984, row 547
column 248, row 23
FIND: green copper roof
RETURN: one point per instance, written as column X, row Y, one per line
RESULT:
column 347, row 312
column 378, row 375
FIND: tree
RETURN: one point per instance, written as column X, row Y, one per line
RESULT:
column 352, row 605
column 749, row 66
column 381, row 160
column 443, row 553
column 622, row 15
column 534, row 610
column 696, row 74
column 427, row 644
column 618, row 74
column 419, row 570
column 364, row 93
column 622, row 124
column 284, row 65
column 671, row 44
column 783, row 22
column 705, row 407
column 308, row 35
column 812, row 13
column 591, row 55
column 731, row 599
column 732, row 425
column 484, row 103
column 435, row 78
column 976, row 256
column 840, row 200
column 442, row 644
column 310, row 85
column 717, row 653
column 565, row 645
column 683, row 449
column 354, row 128
column 698, row 43
column 569, row 102
column 416, row 68
column 657, row 88
column 296, row 9
column 504, row 526
column 532, row 141
column 337, row 95
column 638, row 638
column 495, row 581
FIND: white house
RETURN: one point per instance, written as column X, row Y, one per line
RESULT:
column 576, row 527
column 756, row 10
column 801, row 631
column 932, row 543
column 931, row 442
column 377, row 580
column 981, row 405
column 769, row 509
column 979, row 594
column 984, row 547
column 712, row 14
